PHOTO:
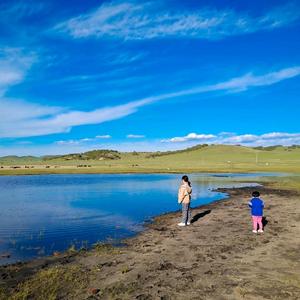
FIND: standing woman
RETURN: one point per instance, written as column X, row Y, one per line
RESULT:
column 184, row 197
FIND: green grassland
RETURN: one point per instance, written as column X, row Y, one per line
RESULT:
column 282, row 183
column 201, row 158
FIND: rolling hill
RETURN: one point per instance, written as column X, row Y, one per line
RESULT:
column 223, row 158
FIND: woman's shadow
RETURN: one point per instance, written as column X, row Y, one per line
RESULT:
column 264, row 221
column 200, row 215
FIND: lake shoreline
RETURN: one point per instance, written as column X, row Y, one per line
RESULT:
column 217, row 255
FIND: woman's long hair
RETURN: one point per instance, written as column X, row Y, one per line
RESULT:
column 186, row 179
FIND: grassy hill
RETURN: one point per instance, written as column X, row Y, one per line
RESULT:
column 206, row 158
column 90, row 155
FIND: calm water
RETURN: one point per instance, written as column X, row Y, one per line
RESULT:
column 47, row 213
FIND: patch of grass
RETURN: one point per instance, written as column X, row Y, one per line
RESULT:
column 284, row 183
column 125, row 270
column 72, row 249
column 3, row 294
column 102, row 248
column 53, row 283
column 291, row 182
column 117, row 289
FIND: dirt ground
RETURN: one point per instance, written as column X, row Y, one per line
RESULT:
column 216, row 257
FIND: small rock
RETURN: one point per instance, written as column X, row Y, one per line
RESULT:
column 94, row 291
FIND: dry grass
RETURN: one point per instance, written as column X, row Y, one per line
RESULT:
column 50, row 284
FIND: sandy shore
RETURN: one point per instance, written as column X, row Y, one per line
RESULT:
column 217, row 257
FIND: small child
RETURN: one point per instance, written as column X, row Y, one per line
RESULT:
column 257, row 206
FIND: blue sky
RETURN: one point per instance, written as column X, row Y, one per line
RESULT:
column 147, row 75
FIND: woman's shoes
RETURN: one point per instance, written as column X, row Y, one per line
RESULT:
column 181, row 224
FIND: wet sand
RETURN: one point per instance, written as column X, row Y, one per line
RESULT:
column 216, row 257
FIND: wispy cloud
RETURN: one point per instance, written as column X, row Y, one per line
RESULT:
column 82, row 141
column 243, row 83
column 137, row 21
column 14, row 64
column 94, row 141
column 21, row 9
column 23, row 119
column 48, row 122
column 234, row 85
column 267, row 139
column 124, row 58
column 135, row 136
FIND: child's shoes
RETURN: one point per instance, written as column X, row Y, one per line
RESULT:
column 254, row 231
column 260, row 231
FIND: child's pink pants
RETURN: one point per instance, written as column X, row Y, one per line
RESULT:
column 257, row 220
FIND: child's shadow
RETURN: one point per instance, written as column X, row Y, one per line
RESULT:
column 264, row 221
column 200, row 215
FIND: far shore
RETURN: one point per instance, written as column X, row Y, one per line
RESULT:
column 217, row 257
column 92, row 169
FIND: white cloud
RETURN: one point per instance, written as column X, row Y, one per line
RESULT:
column 75, row 142
column 14, row 111
column 238, row 139
column 23, row 119
column 191, row 137
column 267, row 139
column 135, row 136
column 67, row 142
column 105, row 136
column 279, row 135
column 135, row 21
column 225, row 133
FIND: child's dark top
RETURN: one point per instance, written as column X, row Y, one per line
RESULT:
column 257, row 206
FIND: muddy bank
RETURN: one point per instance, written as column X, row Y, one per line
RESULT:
column 217, row 257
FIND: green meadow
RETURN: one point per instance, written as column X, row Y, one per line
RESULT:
column 201, row 158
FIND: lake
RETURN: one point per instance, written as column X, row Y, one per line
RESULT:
column 40, row 214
